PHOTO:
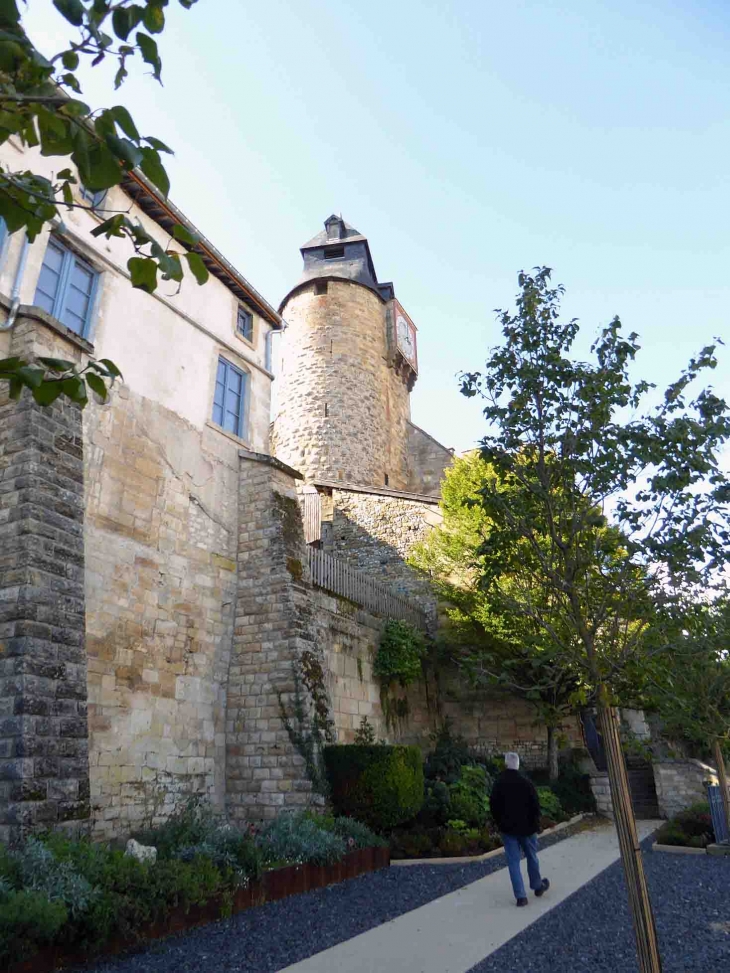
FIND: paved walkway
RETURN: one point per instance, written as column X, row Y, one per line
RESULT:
column 453, row 933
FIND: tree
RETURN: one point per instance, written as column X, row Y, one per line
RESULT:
column 39, row 108
column 494, row 647
column 573, row 444
column 691, row 683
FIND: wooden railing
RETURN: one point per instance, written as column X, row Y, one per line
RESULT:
column 337, row 576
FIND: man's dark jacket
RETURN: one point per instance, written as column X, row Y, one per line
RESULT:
column 515, row 805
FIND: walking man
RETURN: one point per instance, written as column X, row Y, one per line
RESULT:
column 516, row 811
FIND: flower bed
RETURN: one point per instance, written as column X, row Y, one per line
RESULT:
column 691, row 828
column 272, row 886
column 64, row 900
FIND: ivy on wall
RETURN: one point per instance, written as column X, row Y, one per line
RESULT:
column 398, row 662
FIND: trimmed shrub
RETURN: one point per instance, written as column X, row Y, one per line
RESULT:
column 449, row 755
column 379, row 785
column 691, row 828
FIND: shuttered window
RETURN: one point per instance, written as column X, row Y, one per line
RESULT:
column 66, row 287
column 229, row 401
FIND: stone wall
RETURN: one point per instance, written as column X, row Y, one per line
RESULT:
column 273, row 639
column 161, row 542
column 681, row 783
column 343, row 409
column 44, row 768
column 375, row 533
column 491, row 723
column 427, row 460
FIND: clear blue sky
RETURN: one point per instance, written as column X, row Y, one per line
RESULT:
column 467, row 140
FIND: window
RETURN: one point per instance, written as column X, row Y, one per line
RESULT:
column 229, row 401
column 332, row 253
column 94, row 198
column 320, row 287
column 244, row 324
column 66, row 287
column 3, row 231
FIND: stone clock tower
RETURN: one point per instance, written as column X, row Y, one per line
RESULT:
column 348, row 363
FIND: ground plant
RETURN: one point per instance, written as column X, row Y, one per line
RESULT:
column 80, row 895
column 691, row 828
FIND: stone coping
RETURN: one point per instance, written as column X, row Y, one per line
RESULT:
column 678, row 849
column 376, row 491
column 467, row 859
column 277, row 464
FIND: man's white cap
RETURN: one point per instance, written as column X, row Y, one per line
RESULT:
column 512, row 761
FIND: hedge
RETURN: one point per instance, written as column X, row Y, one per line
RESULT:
column 379, row 785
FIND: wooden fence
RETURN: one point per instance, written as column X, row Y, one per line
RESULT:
column 337, row 576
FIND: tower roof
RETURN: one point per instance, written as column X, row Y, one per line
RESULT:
column 341, row 251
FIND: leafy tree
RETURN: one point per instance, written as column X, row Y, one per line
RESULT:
column 573, row 443
column 495, row 647
column 39, row 107
column 691, row 682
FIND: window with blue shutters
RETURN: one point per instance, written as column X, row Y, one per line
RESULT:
column 229, row 401
column 95, row 199
column 3, row 232
column 244, row 324
column 66, row 287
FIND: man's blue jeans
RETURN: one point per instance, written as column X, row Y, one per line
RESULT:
column 514, row 845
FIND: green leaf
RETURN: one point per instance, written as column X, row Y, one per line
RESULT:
column 110, row 367
column 124, row 120
column 157, row 144
column 171, row 267
column 30, row 375
column 9, row 13
column 55, row 133
column 96, row 383
column 75, row 389
column 9, row 364
column 150, row 55
column 111, row 227
column 125, row 150
column 198, row 268
column 120, row 76
column 70, row 60
column 16, row 388
column 144, row 273
column 72, row 10
column 57, row 364
column 72, row 82
column 154, row 19
column 48, row 392
column 184, row 235
column 153, row 168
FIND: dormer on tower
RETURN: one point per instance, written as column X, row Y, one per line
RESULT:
column 348, row 365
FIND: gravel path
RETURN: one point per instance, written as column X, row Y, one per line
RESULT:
column 591, row 931
column 273, row 936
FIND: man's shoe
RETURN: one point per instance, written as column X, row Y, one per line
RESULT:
column 521, row 902
column 543, row 888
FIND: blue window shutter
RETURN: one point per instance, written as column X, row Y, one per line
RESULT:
column 66, row 287
column 244, row 324
column 229, row 399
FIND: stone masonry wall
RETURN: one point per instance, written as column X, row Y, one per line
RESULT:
column 161, row 543
column 681, row 783
column 273, row 637
column 343, row 410
column 427, row 460
column 44, row 769
column 376, row 533
column 349, row 638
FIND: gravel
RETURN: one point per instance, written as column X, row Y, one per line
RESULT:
column 273, row 936
column 591, row 931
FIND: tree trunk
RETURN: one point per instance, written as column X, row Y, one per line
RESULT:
column 722, row 778
column 552, row 744
column 641, row 912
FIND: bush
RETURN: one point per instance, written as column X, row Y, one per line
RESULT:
column 436, row 805
column 449, row 755
column 401, row 650
column 573, row 790
column 691, row 828
column 28, row 921
column 549, row 804
column 296, row 837
column 379, row 785
column 356, row 835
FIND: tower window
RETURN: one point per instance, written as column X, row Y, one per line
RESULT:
column 326, row 410
column 320, row 287
column 244, row 324
column 333, row 253
column 386, row 479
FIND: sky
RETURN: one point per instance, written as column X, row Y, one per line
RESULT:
column 467, row 140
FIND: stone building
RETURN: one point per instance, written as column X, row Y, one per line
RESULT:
column 119, row 525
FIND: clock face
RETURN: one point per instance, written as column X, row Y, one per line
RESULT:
column 406, row 338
